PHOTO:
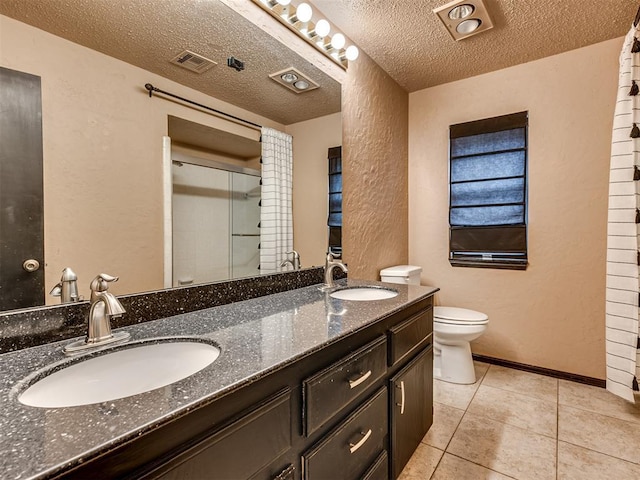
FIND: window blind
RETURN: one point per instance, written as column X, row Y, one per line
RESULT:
column 335, row 200
column 488, row 192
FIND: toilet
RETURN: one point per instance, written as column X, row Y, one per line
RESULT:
column 453, row 329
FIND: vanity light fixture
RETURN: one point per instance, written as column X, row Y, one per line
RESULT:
column 302, row 19
column 294, row 80
column 464, row 18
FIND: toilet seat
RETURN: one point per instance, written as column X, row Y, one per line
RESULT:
column 459, row 316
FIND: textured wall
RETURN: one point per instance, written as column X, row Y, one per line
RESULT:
column 552, row 314
column 374, row 156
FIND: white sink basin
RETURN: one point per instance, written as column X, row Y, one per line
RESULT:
column 363, row 294
column 120, row 374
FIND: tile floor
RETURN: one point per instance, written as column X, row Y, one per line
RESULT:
column 518, row 425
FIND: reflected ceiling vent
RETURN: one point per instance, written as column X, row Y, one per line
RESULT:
column 193, row 61
column 464, row 18
column 294, row 80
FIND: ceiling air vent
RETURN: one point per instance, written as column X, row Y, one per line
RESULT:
column 193, row 61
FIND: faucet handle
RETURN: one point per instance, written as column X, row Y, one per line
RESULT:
column 56, row 291
column 100, row 283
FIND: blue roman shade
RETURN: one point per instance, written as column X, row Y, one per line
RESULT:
column 488, row 192
column 335, row 200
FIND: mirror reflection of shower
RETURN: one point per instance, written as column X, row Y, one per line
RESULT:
column 215, row 202
column 215, row 223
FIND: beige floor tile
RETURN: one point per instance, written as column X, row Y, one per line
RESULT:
column 615, row 437
column 422, row 464
column 526, row 383
column 577, row 463
column 595, row 399
column 503, row 448
column 445, row 421
column 456, row 395
column 534, row 414
column 455, row 468
column 481, row 369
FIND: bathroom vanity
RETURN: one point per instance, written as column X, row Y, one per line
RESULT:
column 306, row 387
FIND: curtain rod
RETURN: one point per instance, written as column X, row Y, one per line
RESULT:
column 152, row 89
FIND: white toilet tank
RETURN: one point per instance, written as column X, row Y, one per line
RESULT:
column 406, row 274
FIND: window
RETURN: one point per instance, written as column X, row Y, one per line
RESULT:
column 335, row 200
column 488, row 192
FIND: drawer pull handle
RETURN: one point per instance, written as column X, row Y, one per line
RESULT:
column 358, row 381
column 401, row 404
column 355, row 446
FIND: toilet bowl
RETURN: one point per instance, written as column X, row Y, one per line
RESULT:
column 453, row 329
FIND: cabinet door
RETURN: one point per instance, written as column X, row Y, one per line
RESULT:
column 241, row 449
column 411, row 408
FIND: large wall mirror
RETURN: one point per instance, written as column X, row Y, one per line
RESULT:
column 104, row 139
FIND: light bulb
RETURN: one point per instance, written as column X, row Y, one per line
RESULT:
column 461, row 11
column 323, row 28
column 304, row 12
column 352, row 53
column 468, row 26
column 289, row 77
column 338, row 41
column 284, row 3
column 301, row 85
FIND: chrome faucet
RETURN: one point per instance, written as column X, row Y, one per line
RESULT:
column 296, row 260
column 67, row 287
column 104, row 307
column 329, row 265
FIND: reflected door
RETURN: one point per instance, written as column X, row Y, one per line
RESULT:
column 21, row 194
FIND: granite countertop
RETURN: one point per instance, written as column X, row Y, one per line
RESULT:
column 256, row 337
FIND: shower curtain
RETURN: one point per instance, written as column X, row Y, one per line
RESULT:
column 623, row 248
column 276, row 219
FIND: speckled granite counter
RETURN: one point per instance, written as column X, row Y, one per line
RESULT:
column 256, row 337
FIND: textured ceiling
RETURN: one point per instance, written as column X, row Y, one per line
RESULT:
column 149, row 34
column 407, row 40
column 403, row 36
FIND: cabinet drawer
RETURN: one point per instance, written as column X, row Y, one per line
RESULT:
column 241, row 449
column 328, row 391
column 380, row 468
column 350, row 449
column 407, row 335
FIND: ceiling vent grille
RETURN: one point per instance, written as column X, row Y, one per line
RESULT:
column 192, row 61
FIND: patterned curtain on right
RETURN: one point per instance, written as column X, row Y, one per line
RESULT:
column 623, row 249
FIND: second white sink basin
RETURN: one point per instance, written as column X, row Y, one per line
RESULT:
column 363, row 294
column 119, row 374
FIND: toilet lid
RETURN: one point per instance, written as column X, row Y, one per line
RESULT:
column 459, row 315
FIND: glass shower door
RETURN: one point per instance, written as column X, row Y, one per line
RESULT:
column 245, row 217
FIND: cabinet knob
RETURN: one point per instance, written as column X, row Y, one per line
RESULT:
column 31, row 265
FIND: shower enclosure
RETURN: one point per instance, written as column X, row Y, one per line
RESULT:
column 215, row 217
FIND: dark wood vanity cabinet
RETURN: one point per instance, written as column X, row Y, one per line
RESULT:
column 355, row 409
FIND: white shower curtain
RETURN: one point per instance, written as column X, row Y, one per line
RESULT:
column 623, row 249
column 276, row 219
